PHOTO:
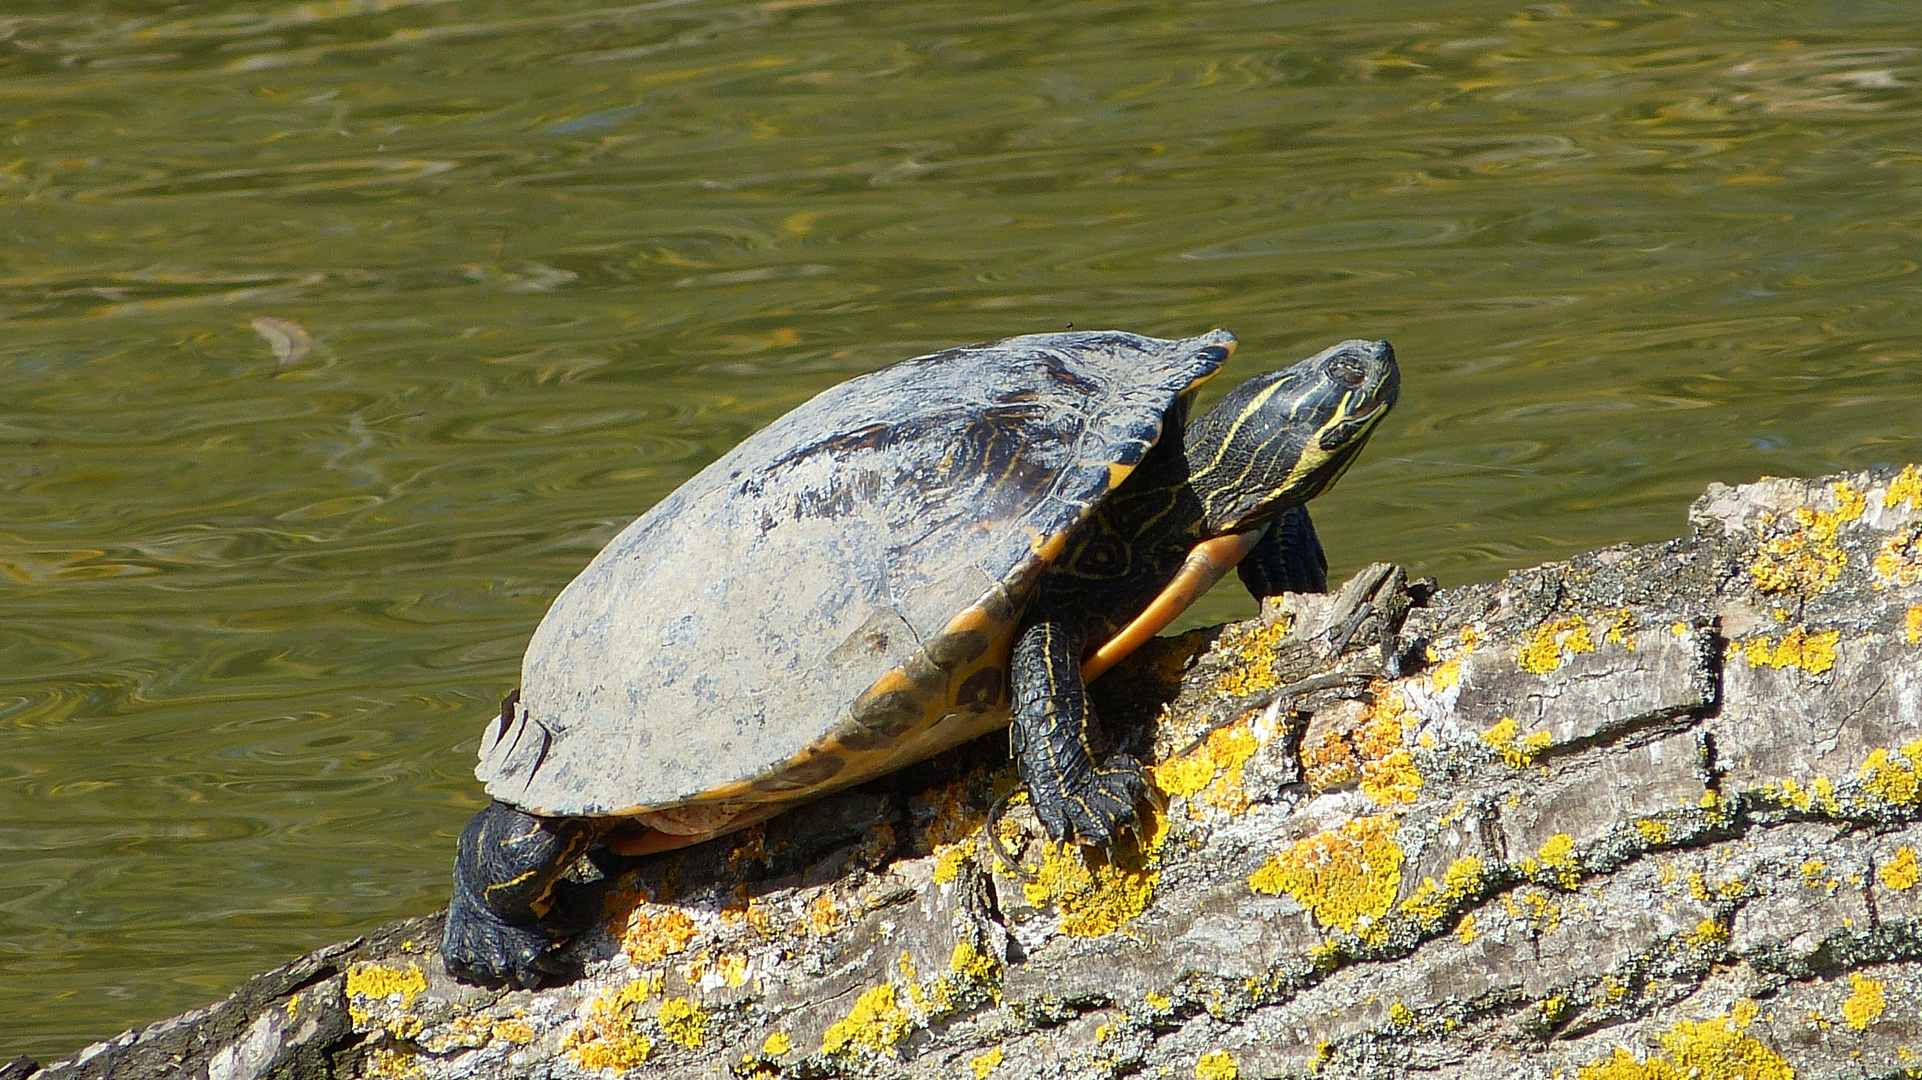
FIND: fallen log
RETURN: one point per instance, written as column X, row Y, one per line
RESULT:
column 1651, row 812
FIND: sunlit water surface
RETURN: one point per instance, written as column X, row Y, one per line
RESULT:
column 554, row 257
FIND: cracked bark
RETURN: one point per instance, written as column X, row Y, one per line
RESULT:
column 1646, row 809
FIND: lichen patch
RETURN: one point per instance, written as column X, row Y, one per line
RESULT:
column 1813, row 653
column 1097, row 899
column 1371, row 753
column 1516, row 750
column 1803, row 557
column 1905, row 488
column 1900, row 872
column 1553, row 643
column 379, row 982
column 875, row 1024
column 1865, row 1003
column 1898, row 562
column 1347, row 878
column 653, row 933
column 1894, row 778
column 1715, row 1049
column 1217, row 1065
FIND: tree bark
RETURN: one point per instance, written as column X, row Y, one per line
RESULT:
column 1651, row 812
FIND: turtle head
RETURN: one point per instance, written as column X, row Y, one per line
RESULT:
column 1283, row 438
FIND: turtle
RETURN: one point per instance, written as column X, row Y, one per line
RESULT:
column 913, row 558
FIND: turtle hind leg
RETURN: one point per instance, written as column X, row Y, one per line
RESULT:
column 1075, row 798
column 499, row 928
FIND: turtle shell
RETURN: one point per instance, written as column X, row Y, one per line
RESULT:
column 835, row 597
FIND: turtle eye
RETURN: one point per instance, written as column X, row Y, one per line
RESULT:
column 1347, row 371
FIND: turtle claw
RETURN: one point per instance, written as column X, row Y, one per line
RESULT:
column 1102, row 808
column 480, row 947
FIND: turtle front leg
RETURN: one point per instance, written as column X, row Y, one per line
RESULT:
column 1075, row 798
column 1288, row 558
column 504, row 876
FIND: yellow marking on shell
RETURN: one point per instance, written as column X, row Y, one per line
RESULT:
column 974, row 618
column 910, row 745
column 895, row 679
column 1049, row 548
column 1208, row 563
column 1118, row 472
column 739, row 789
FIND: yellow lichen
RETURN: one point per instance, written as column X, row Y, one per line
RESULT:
column 1620, row 628
column 607, row 1037
column 1222, row 754
column 1096, row 900
column 1716, row 1049
column 875, row 1024
column 1896, row 780
column 823, row 916
column 619, row 1054
column 983, row 1064
column 1401, row 1015
column 1372, row 751
column 1652, row 831
column 513, row 1030
column 1807, row 559
column 1900, row 872
column 1465, row 933
column 395, row 1063
column 649, row 938
column 969, row 962
column 1430, row 902
column 1557, row 855
column 949, row 860
column 1184, row 777
column 1708, row 932
column 1255, row 652
column 1158, row 1002
column 1391, row 779
column 380, row 981
column 683, row 1021
column 1899, row 562
column 1814, row 875
column 1906, row 488
column 1230, row 748
column 732, row 968
column 1849, row 503
column 1554, row 643
column 1552, row 1008
column 1913, row 630
column 1346, row 877
column 1217, row 1065
column 777, row 1045
column 1813, row 653
column 1865, row 1002
column 1515, row 753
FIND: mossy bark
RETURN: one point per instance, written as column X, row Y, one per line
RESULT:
column 1651, row 812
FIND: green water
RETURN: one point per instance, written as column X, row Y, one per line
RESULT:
column 554, row 257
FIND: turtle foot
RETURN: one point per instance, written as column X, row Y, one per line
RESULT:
column 1097, row 811
column 481, row 947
